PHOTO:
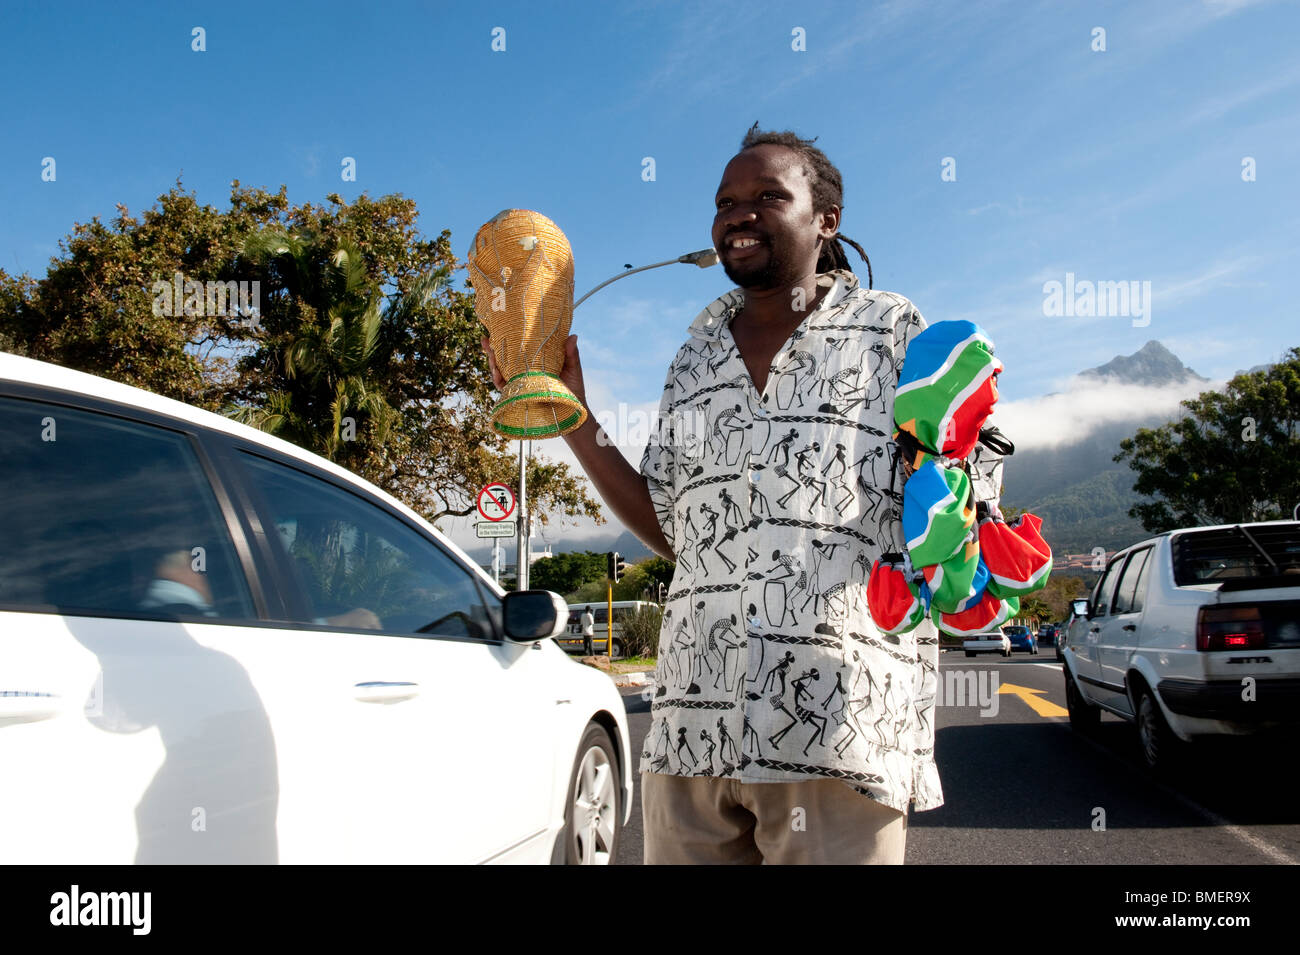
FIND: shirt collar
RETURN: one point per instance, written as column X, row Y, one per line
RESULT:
column 163, row 592
column 718, row 314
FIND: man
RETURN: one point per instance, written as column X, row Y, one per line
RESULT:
column 588, row 631
column 822, row 777
column 177, row 587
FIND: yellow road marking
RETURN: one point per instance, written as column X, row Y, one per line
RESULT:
column 1036, row 703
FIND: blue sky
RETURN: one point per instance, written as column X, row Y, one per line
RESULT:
column 1122, row 165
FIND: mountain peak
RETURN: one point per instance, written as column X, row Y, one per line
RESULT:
column 1152, row 364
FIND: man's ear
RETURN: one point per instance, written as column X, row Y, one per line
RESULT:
column 830, row 220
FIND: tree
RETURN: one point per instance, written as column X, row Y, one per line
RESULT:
column 330, row 368
column 1057, row 594
column 357, row 314
column 566, row 573
column 659, row 571
column 1035, row 608
column 1229, row 459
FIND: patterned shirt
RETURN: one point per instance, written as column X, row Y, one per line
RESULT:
column 776, row 505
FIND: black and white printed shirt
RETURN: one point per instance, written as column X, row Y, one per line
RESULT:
column 776, row 505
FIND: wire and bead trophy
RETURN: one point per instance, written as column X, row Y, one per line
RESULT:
column 521, row 267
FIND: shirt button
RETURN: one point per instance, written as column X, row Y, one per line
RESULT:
column 754, row 476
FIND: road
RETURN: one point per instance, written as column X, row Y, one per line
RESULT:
column 1021, row 787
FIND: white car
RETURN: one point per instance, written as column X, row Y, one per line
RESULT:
column 1193, row 633
column 993, row 641
column 217, row 647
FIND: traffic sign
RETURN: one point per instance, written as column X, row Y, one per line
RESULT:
column 496, row 502
column 496, row 528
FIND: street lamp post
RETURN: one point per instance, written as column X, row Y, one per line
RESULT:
column 704, row 258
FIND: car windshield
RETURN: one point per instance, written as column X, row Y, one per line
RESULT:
column 1245, row 550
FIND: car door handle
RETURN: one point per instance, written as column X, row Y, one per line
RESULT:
column 28, row 706
column 386, row 691
column 1129, row 626
column 1094, row 629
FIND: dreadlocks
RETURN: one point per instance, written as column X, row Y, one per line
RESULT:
column 827, row 191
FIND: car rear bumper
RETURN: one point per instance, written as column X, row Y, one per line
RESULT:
column 1274, row 700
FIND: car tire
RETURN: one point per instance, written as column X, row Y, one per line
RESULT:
column 970, row 653
column 1006, row 653
column 1162, row 751
column 1084, row 717
column 618, row 649
column 593, row 815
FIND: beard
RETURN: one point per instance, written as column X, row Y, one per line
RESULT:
column 765, row 269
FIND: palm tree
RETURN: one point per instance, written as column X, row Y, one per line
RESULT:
column 331, row 362
column 1034, row 608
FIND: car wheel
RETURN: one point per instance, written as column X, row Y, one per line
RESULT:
column 970, row 653
column 1161, row 749
column 1006, row 653
column 593, row 818
column 1084, row 717
column 618, row 649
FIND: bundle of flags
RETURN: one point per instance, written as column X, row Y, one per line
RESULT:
column 964, row 566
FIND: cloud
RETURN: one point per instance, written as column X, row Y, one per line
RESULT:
column 1223, row 8
column 1085, row 405
column 1217, row 106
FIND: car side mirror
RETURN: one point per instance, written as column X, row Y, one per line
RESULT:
column 529, row 616
column 1080, row 608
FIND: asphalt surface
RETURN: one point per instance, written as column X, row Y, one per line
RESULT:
column 1020, row 787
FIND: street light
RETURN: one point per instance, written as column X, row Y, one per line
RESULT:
column 703, row 258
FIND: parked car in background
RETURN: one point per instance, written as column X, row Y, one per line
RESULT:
column 216, row 647
column 994, row 641
column 1047, row 635
column 1021, row 638
column 1066, row 632
column 1193, row 633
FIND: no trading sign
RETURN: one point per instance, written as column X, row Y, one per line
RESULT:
column 496, row 502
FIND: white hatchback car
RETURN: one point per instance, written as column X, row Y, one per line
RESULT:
column 1192, row 634
column 217, row 647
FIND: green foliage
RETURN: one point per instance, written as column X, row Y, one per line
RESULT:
column 592, row 593
column 358, row 318
column 1035, row 608
column 1231, row 458
column 641, row 632
column 659, row 571
column 566, row 573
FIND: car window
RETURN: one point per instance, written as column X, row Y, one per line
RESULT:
column 361, row 567
column 106, row 515
column 1106, row 589
column 1132, row 583
column 1250, row 550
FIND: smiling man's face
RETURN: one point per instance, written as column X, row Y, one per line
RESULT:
column 765, row 193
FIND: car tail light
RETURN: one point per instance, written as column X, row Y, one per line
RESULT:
column 1230, row 627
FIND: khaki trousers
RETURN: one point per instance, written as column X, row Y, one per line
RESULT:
column 702, row 820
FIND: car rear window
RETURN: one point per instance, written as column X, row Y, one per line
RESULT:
column 1251, row 550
